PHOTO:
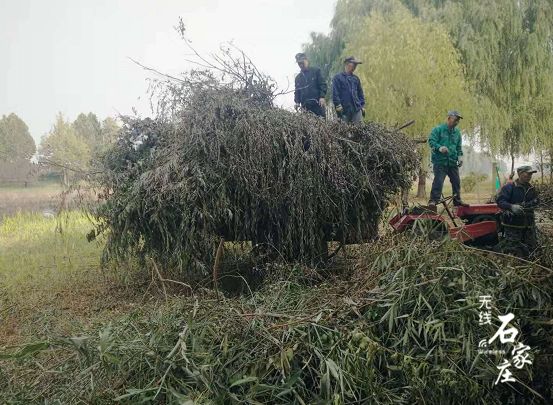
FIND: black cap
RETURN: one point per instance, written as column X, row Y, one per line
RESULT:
column 454, row 113
column 300, row 57
column 351, row 59
column 526, row 169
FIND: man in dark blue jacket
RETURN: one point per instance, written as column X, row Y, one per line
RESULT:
column 518, row 201
column 310, row 87
column 347, row 93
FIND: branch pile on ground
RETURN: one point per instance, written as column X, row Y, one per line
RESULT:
column 221, row 161
column 405, row 329
column 545, row 192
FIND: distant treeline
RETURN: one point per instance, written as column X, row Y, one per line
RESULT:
column 65, row 151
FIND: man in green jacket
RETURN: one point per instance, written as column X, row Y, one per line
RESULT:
column 447, row 157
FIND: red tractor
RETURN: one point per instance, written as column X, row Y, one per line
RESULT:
column 477, row 224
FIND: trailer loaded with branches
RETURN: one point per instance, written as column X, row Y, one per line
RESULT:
column 221, row 161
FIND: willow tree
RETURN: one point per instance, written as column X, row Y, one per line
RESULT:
column 506, row 46
column 411, row 71
column 326, row 50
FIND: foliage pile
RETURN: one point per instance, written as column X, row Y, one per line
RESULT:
column 404, row 329
column 545, row 192
column 221, row 161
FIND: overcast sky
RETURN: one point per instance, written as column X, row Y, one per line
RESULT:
column 71, row 56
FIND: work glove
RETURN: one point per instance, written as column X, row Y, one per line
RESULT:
column 459, row 162
column 530, row 205
column 443, row 149
column 339, row 109
column 517, row 209
column 322, row 102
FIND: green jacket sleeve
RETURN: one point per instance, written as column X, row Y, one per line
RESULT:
column 433, row 140
column 460, row 145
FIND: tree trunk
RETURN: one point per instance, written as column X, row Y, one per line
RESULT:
column 64, row 179
column 421, row 187
column 551, row 167
column 542, row 169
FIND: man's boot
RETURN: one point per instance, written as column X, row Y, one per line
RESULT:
column 432, row 206
column 459, row 203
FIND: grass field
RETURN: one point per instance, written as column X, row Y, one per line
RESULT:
column 50, row 277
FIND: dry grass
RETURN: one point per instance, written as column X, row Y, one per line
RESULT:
column 34, row 198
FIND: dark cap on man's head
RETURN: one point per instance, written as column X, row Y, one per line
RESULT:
column 300, row 57
column 526, row 169
column 454, row 113
column 351, row 59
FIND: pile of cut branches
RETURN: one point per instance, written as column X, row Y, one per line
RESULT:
column 221, row 161
column 545, row 192
column 404, row 329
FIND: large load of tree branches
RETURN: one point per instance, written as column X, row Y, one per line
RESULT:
column 220, row 160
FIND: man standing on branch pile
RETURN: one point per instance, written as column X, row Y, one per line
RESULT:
column 518, row 201
column 347, row 93
column 310, row 88
column 447, row 156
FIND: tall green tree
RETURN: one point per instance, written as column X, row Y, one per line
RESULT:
column 326, row 51
column 63, row 150
column 89, row 129
column 411, row 70
column 15, row 140
column 17, row 146
column 109, row 132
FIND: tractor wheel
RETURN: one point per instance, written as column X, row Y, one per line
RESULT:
column 481, row 218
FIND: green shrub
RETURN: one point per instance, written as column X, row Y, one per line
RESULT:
column 469, row 182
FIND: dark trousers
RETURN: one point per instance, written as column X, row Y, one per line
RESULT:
column 352, row 116
column 440, row 173
column 315, row 108
column 525, row 235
